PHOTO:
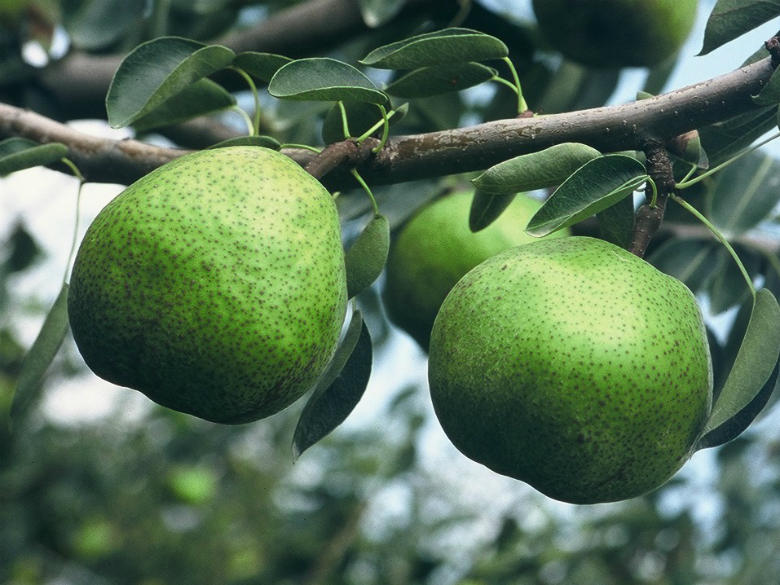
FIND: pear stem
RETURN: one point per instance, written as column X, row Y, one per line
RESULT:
column 720, row 237
column 367, row 189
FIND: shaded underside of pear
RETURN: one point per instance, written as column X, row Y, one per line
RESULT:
column 215, row 285
column 574, row 366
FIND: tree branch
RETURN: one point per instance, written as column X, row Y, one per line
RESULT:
column 405, row 158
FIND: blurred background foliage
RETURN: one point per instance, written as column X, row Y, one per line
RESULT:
column 143, row 495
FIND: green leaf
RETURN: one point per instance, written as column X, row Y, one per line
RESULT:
column 750, row 381
column 340, row 388
column 722, row 140
column 770, row 93
column 727, row 287
column 94, row 24
column 367, row 256
column 200, row 98
column 429, row 81
column 745, row 193
column 17, row 154
column 263, row 141
column 447, row 46
column 690, row 260
column 487, row 207
column 537, row 170
column 733, row 18
column 157, row 70
column 360, row 117
column 40, row 356
column 378, row 12
column 260, row 65
column 324, row 79
column 595, row 186
column 616, row 223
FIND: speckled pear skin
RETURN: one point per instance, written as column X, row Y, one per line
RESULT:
column 215, row 284
column 435, row 248
column 574, row 366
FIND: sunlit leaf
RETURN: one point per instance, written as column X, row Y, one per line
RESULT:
column 324, row 79
column 340, row 388
column 157, row 70
column 447, row 46
column 593, row 187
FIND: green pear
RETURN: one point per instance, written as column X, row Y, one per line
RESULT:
column 215, row 284
column 435, row 248
column 574, row 366
column 616, row 33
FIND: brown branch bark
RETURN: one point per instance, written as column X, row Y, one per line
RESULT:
column 405, row 158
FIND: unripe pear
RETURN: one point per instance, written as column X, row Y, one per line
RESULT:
column 435, row 248
column 215, row 284
column 616, row 33
column 574, row 366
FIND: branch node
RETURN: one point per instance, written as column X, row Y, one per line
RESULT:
column 773, row 46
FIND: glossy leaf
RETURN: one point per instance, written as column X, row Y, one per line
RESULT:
column 751, row 377
column 537, row 170
column 378, row 12
column 40, row 356
column 340, row 388
column 429, row 81
column 324, row 79
column 447, row 46
column 260, row 65
column 487, row 207
column 94, row 24
column 730, row 19
column 157, row 70
column 17, row 154
column 198, row 99
column 367, row 256
column 745, row 192
column 595, row 186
